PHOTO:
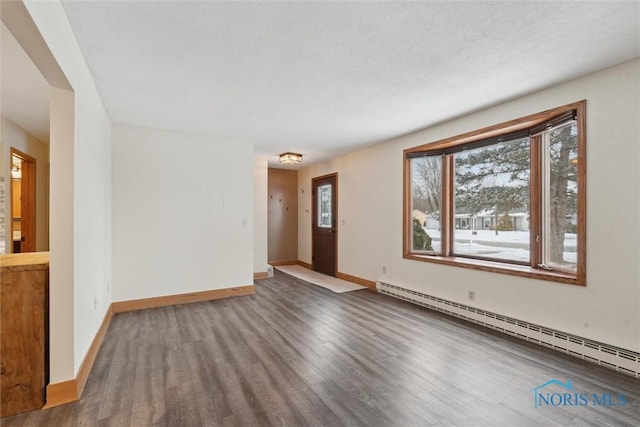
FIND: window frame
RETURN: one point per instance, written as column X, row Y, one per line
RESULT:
column 533, row 269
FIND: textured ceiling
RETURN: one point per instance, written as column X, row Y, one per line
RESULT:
column 25, row 92
column 325, row 78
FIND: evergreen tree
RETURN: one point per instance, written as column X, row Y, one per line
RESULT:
column 493, row 179
column 421, row 239
column 505, row 223
column 496, row 179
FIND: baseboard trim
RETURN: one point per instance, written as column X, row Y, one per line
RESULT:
column 304, row 264
column 92, row 353
column 277, row 263
column 370, row 284
column 260, row 275
column 61, row 394
column 144, row 303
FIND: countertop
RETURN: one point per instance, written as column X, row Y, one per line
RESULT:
column 24, row 262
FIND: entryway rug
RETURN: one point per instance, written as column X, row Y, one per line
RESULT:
column 331, row 283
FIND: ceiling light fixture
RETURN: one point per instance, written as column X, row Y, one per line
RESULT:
column 290, row 158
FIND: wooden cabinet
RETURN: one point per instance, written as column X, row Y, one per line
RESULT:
column 24, row 296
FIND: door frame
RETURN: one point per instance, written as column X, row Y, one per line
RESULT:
column 27, row 198
column 314, row 208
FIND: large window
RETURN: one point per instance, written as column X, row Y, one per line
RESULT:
column 509, row 198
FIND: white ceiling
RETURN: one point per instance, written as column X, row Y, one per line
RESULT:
column 326, row 78
column 25, row 92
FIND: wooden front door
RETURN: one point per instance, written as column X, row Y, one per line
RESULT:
column 324, row 231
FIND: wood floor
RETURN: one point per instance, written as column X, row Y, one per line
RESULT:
column 295, row 354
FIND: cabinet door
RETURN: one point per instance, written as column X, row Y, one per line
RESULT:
column 22, row 343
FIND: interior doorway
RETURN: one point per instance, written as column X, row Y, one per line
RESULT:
column 23, row 202
column 324, row 233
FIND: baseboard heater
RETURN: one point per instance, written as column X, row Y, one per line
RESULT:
column 621, row 360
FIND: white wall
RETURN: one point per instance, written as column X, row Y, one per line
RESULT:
column 62, row 345
column 80, row 224
column 260, row 213
column 13, row 136
column 606, row 310
column 92, row 227
column 179, row 202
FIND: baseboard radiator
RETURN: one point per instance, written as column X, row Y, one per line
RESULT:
column 619, row 359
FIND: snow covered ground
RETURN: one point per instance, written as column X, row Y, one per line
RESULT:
column 511, row 245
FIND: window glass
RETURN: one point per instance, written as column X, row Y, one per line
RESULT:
column 560, row 192
column 324, row 206
column 426, row 173
column 491, row 202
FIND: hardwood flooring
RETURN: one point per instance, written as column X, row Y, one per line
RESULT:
column 295, row 354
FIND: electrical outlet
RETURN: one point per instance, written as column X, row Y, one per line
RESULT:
column 472, row 295
column 244, row 222
column 384, row 269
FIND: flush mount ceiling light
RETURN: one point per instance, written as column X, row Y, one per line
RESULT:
column 290, row 158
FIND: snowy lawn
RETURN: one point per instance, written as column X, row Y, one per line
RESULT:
column 511, row 245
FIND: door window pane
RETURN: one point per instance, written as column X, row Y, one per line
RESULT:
column 324, row 206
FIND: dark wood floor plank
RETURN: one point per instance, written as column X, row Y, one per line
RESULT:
column 314, row 411
column 295, row 354
column 117, row 407
column 270, row 394
column 148, row 392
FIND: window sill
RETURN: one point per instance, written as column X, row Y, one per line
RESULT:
column 502, row 268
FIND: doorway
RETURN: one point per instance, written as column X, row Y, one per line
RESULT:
column 324, row 234
column 23, row 202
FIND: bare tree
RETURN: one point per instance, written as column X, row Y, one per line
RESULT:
column 427, row 185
